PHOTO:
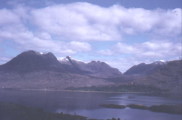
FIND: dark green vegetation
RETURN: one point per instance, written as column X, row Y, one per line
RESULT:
column 137, row 106
column 172, row 109
column 122, row 88
column 113, row 106
column 9, row 111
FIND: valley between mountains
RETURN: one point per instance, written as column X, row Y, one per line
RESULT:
column 32, row 70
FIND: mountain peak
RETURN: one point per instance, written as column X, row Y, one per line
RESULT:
column 97, row 68
column 161, row 62
column 31, row 61
column 143, row 68
column 30, row 52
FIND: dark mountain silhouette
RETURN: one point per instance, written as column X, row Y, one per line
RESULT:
column 33, row 70
column 166, row 76
column 144, row 69
column 31, row 61
column 93, row 68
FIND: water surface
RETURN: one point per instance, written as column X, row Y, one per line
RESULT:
column 88, row 103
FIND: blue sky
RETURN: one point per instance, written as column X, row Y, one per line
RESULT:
column 122, row 33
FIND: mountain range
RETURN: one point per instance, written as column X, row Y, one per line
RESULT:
column 31, row 61
column 33, row 70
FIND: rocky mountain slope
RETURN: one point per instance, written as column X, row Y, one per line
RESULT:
column 32, row 70
column 166, row 76
column 31, row 61
column 94, row 68
column 144, row 69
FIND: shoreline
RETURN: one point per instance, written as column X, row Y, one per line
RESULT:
column 81, row 91
column 163, row 94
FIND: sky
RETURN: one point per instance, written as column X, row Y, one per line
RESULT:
column 121, row 33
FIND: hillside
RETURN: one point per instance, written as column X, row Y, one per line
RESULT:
column 32, row 70
column 166, row 76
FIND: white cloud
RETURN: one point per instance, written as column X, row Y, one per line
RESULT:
column 147, row 52
column 7, row 17
column 124, row 48
column 14, row 28
column 70, row 22
column 150, row 49
column 80, row 46
column 124, row 56
column 88, row 22
column 69, row 28
column 161, row 49
column 106, row 52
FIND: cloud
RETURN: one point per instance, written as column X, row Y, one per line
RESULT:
column 17, row 28
column 77, row 27
column 44, row 42
column 79, row 46
column 148, row 49
column 8, row 16
column 69, row 22
column 161, row 49
column 124, row 56
column 88, row 22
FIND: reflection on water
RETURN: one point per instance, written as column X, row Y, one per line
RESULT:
column 126, row 99
column 88, row 104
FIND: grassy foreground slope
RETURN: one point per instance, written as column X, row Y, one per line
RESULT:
column 9, row 111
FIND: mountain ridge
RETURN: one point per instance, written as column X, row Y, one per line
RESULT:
column 31, row 61
column 144, row 69
column 35, row 70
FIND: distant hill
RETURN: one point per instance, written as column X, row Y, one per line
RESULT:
column 144, row 69
column 167, row 75
column 31, row 61
column 156, row 78
column 33, row 70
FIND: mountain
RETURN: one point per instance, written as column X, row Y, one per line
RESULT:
column 166, row 76
column 31, row 69
column 73, row 63
column 144, row 69
column 93, row 68
column 31, row 61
